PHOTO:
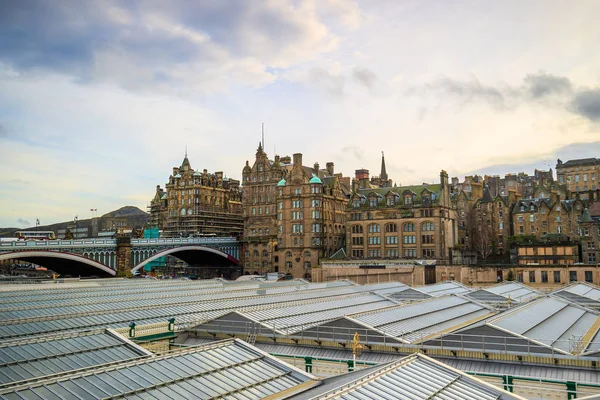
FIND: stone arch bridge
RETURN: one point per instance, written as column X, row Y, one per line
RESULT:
column 120, row 256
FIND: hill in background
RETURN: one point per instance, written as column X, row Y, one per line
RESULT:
column 135, row 217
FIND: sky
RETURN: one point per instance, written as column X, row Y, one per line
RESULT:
column 99, row 100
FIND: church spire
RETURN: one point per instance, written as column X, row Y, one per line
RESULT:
column 383, row 175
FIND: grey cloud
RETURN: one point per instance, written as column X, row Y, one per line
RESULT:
column 3, row 131
column 568, row 152
column 535, row 87
column 542, row 85
column 468, row 91
column 22, row 221
column 354, row 151
column 364, row 76
column 587, row 104
column 334, row 84
column 158, row 44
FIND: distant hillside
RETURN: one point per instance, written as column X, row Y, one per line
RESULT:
column 136, row 218
column 127, row 211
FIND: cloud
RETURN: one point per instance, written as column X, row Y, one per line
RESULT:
column 199, row 46
column 542, row 85
column 333, row 84
column 364, row 76
column 23, row 222
column 354, row 151
column 587, row 104
column 539, row 86
column 3, row 131
column 542, row 161
column 466, row 91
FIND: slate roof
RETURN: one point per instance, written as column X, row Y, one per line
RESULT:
column 579, row 161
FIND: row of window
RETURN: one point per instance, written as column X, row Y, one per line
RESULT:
column 408, row 253
column 555, row 276
column 409, row 199
column 407, row 227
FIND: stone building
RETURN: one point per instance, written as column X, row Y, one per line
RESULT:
column 158, row 209
column 579, row 176
column 400, row 221
column 197, row 203
column 293, row 214
column 541, row 216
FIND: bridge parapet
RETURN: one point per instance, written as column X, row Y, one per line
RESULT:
column 56, row 244
column 180, row 241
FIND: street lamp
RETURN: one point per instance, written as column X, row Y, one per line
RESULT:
column 37, row 224
column 75, row 220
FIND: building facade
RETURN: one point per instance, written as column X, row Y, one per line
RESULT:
column 579, row 176
column 400, row 221
column 197, row 203
column 293, row 214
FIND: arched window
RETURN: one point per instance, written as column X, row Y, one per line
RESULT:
column 408, row 227
column 183, row 211
column 374, row 228
column 255, row 254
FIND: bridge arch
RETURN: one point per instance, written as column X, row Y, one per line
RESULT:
column 185, row 249
column 38, row 257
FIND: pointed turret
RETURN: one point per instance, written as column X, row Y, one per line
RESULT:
column 185, row 165
column 383, row 175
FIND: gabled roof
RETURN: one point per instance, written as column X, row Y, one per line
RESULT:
column 208, row 371
column 417, row 322
column 32, row 358
column 500, row 293
column 414, row 189
column 582, row 293
column 293, row 318
column 552, row 322
column 416, row 376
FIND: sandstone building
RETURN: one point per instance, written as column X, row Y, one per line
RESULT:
column 579, row 176
column 197, row 203
column 293, row 214
column 408, row 222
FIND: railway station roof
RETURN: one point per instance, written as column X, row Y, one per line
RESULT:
column 582, row 293
column 500, row 293
column 548, row 325
column 22, row 360
column 413, row 377
column 407, row 323
column 291, row 319
column 115, row 309
column 226, row 369
column 430, row 291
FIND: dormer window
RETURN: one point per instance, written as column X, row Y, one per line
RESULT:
column 522, row 208
column 532, row 208
column 356, row 203
column 373, row 202
column 407, row 200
